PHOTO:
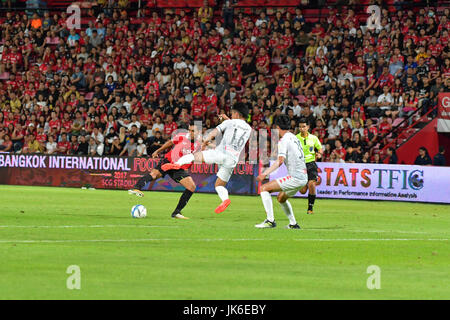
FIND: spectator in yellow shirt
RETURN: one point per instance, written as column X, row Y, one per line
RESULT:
column 72, row 89
column 205, row 14
column 422, row 53
column 311, row 49
column 31, row 145
column 123, row 4
column 14, row 102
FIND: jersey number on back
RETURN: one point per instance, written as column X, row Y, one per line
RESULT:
column 239, row 142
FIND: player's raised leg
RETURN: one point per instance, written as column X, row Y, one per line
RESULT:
column 186, row 159
column 223, row 195
column 226, row 167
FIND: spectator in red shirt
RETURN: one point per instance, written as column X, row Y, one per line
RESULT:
column 211, row 103
column 370, row 133
column 198, row 108
column 339, row 151
column 384, row 127
column 169, row 127
column 54, row 123
column 385, row 79
column 346, row 128
column 63, row 144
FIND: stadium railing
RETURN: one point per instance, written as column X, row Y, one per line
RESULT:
column 401, row 133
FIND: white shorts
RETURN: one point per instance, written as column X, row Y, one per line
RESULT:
column 290, row 185
column 226, row 163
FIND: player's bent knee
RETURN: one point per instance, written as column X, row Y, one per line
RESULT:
column 155, row 174
column 220, row 183
column 282, row 197
column 191, row 186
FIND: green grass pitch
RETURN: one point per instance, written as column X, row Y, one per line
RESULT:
column 44, row 230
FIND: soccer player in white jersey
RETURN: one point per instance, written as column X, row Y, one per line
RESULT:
column 291, row 153
column 235, row 134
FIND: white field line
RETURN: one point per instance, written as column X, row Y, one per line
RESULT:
column 207, row 240
column 91, row 226
column 369, row 231
column 151, row 226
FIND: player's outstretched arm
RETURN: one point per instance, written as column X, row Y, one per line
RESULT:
column 271, row 169
column 223, row 117
column 210, row 137
column 165, row 146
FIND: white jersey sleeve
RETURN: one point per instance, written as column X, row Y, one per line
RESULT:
column 282, row 148
column 223, row 126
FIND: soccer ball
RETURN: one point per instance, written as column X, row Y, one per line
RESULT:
column 138, row 211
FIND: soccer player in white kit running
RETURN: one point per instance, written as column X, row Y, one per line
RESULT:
column 291, row 153
column 235, row 134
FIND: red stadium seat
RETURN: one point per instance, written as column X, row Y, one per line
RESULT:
column 282, row 3
column 136, row 20
column 397, row 122
column 4, row 76
column 301, row 99
column 250, row 3
column 89, row 96
column 197, row 3
column 172, row 3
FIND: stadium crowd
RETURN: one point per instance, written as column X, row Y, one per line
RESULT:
column 114, row 87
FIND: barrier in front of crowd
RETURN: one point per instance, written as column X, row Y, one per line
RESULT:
column 380, row 182
column 336, row 180
column 111, row 173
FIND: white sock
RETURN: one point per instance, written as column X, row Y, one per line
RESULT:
column 185, row 159
column 287, row 208
column 222, row 192
column 267, row 203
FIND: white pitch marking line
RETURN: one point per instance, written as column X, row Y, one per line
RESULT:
column 368, row 231
column 140, row 226
column 92, row 226
column 207, row 240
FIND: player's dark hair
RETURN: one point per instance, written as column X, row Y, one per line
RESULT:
column 184, row 126
column 303, row 120
column 283, row 122
column 242, row 109
column 424, row 149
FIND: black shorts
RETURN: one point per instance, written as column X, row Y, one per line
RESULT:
column 176, row 175
column 311, row 168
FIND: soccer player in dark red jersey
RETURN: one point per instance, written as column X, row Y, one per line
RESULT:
column 181, row 144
